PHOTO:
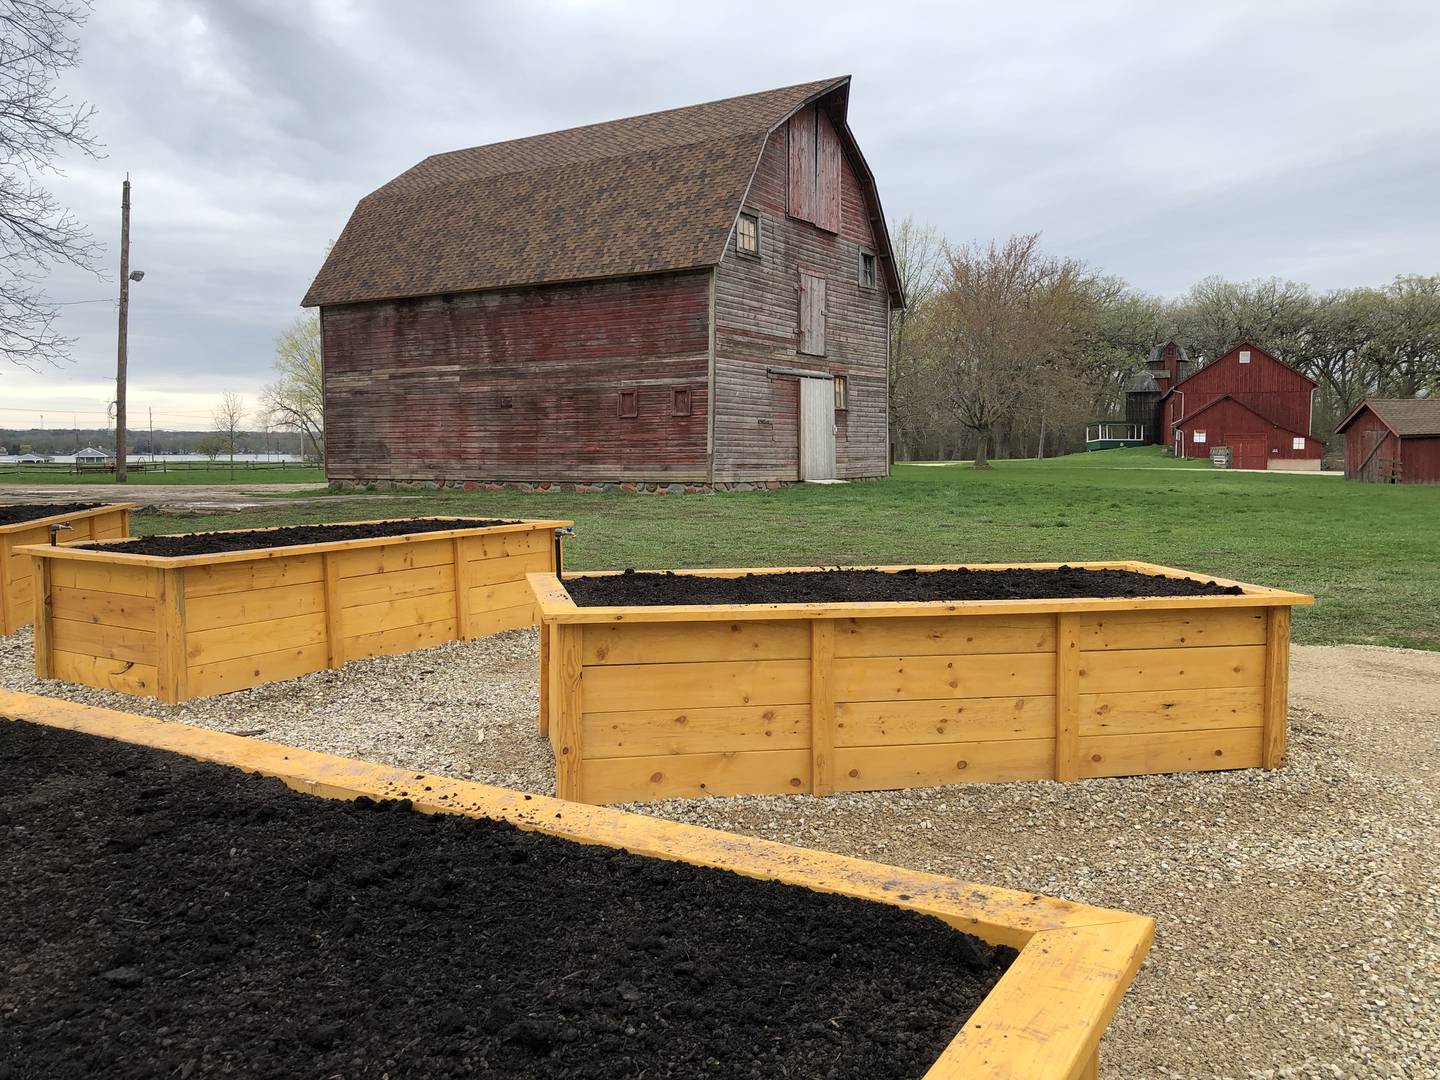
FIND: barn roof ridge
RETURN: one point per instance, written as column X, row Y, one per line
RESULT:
column 1416, row 416
column 649, row 194
column 1226, row 352
column 818, row 86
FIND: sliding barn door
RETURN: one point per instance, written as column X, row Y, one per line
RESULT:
column 817, row 429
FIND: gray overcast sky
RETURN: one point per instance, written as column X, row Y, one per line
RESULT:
column 1161, row 142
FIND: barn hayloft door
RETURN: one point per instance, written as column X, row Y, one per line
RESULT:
column 817, row 429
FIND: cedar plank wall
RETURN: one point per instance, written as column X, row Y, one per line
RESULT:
column 757, row 324
column 520, row 384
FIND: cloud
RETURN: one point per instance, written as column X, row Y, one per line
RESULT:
column 1162, row 143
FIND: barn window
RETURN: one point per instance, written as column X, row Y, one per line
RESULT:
column 867, row 269
column 1199, row 436
column 747, row 235
column 1297, row 443
column 629, row 403
column 841, row 394
column 1244, row 356
column 680, row 403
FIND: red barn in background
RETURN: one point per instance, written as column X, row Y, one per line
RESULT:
column 1393, row 441
column 1249, row 401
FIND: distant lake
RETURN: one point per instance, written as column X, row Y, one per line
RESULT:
column 69, row 459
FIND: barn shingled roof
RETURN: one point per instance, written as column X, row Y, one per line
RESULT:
column 1406, row 417
column 647, row 194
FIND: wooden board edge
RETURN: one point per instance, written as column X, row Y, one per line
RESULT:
column 572, row 613
column 96, row 552
column 1073, row 977
column 1003, row 916
column 1275, row 596
column 79, row 515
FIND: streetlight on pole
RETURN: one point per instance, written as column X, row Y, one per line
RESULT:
column 126, row 276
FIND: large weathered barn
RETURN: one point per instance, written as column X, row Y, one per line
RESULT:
column 1393, row 441
column 698, row 297
column 1247, row 400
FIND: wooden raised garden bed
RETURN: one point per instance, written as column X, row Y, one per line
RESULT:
column 177, row 627
column 678, row 701
column 87, row 521
column 1042, row 1020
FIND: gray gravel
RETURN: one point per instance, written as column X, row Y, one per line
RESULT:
column 1298, row 932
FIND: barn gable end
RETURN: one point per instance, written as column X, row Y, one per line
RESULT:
column 572, row 307
column 1262, row 408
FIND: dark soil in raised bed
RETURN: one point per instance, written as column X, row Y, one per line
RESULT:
column 287, row 536
column 852, row 586
column 164, row 917
column 14, row 514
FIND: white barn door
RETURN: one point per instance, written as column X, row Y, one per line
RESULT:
column 817, row 429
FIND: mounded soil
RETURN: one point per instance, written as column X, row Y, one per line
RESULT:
column 647, row 589
column 16, row 513
column 212, row 543
column 165, row 917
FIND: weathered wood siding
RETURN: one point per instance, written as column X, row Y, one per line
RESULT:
column 757, row 326
column 1277, row 392
column 1229, row 423
column 521, row 384
column 1412, row 460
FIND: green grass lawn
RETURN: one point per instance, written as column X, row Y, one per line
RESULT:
column 1369, row 552
column 208, row 474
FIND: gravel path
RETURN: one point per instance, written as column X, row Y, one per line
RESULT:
column 1298, row 933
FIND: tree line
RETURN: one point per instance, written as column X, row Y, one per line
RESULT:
column 1005, row 350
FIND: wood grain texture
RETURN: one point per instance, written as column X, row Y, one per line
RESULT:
column 945, row 636
column 568, row 700
column 642, row 643
column 1205, row 668
column 1067, row 696
column 653, row 732
column 172, row 665
column 1172, row 629
column 881, row 768
column 694, row 776
column 895, row 723
column 1139, row 712
column 1277, row 687
column 822, row 707
column 1176, row 751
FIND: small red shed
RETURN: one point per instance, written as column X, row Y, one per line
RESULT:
column 1247, row 400
column 1393, row 441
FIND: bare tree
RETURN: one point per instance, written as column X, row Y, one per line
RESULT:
column 1004, row 314
column 37, row 123
column 229, row 414
column 295, row 401
column 919, row 260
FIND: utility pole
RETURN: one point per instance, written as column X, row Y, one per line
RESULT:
column 151, row 411
column 124, row 327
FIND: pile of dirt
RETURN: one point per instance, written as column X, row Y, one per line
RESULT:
column 14, row 514
column 212, row 543
column 862, row 586
column 165, row 917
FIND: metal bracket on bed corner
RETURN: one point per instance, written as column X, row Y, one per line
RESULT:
column 561, row 534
